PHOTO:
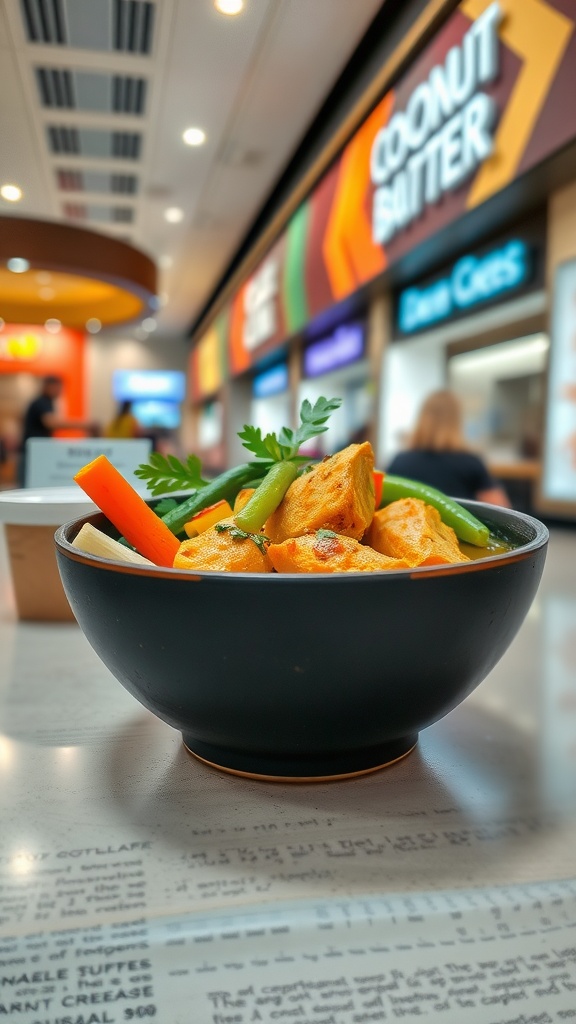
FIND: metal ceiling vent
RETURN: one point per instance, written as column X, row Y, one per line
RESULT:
column 94, row 142
column 125, row 26
column 91, row 91
column 71, row 180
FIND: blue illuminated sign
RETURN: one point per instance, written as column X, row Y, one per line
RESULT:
column 140, row 385
column 473, row 280
column 271, row 382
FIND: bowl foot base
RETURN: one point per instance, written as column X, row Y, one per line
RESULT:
column 320, row 769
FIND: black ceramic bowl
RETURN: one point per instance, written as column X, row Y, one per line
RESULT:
column 297, row 676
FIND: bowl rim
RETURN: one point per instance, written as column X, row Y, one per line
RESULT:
column 540, row 540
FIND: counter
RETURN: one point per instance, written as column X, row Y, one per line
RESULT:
column 137, row 883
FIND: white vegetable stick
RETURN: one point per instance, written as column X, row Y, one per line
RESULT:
column 94, row 542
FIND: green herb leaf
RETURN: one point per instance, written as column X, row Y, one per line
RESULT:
column 166, row 473
column 286, row 445
column 165, row 505
column 264, row 448
column 259, row 539
column 325, row 534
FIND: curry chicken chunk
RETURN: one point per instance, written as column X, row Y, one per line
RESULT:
column 337, row 494
column 326, row 551
column 412, row 530
column 221, row 549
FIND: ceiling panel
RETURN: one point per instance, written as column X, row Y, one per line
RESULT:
column 96, row 95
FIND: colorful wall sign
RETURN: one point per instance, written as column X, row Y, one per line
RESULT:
column 489, row 98
column 26, row 348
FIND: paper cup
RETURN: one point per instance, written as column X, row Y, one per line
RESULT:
column 30, row 518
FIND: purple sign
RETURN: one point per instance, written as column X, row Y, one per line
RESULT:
column 344, row 346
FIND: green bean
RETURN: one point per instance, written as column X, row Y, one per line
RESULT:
column 465, row 525
column 226, row 485
column 266, row 497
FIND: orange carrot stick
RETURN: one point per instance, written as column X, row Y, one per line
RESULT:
column 129, row 513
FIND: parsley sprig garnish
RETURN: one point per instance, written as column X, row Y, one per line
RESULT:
column 285, row 445
column 166, row 473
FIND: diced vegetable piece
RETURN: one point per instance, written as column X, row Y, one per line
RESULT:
column 226, row 485
column 465, row 525
column 94, row 542
column 127, row 510
column 378, row 477
column 243, row 497
column 207, row 517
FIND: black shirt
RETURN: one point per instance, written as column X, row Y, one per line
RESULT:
column 33, row 425
column 458, row 474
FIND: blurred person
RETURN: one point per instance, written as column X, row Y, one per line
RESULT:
column 42, row 419
column 438, row 455
column 124, row 424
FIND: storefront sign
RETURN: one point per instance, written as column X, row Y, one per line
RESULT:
column 472, row 281
column 444, row 133
column 558, row 487
column 344, row 346
column 487, row 100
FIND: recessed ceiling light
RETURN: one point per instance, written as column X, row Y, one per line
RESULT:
column 149, row 324
column 18, row 265
column 229, row 6
column 174, row 214
column 93, row 325
column 11, row 192
column 194, row 136
column 53, row 325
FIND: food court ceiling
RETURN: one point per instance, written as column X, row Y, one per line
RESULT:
column 95, row 96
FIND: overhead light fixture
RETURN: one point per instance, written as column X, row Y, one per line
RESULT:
column 18, row 265
column 11, row 192
column 93, row 325
column 149, row 324
column 52, row 325
column 76, row 275
column 194, row 137
column 174, row 214
column 229, row 6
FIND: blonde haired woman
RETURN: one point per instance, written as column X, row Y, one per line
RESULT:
column 438, row 455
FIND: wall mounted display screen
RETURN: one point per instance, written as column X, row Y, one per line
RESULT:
column 558, row 485
column 345, row 345
column 138, row 385
column 151, row 413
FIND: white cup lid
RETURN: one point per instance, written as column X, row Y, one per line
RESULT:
column 44, row 506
